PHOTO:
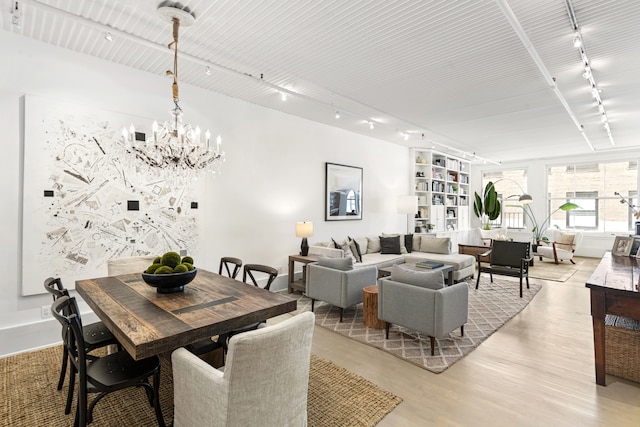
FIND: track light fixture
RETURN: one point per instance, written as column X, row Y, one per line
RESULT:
column 337, row 114
column 108, row 37
column 207, row 71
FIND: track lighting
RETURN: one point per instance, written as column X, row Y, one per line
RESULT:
column 108, row 37
column 283, row 96
column 207, row 71
column 577, row 40
column 337, row 114
column 371, row 125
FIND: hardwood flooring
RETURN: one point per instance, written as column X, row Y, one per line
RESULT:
column 537, row 370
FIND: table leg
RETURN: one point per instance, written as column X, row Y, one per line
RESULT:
column 450, row 278
column 598, row 313
column 291, row 276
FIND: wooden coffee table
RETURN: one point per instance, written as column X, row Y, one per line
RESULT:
column 446, row 269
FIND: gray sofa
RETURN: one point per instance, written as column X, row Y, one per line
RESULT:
column 422, row 248
column 420, row 301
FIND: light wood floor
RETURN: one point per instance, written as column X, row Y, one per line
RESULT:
column 537, row 370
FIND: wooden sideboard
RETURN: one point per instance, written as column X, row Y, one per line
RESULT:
column 615, row 290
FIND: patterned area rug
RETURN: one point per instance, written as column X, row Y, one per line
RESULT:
column 548, row 270
column 490, row 307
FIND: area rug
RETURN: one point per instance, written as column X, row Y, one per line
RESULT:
column 28, row 396
column 490, row 307
column 548, row 270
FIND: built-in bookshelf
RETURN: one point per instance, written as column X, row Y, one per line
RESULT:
column 441, row 182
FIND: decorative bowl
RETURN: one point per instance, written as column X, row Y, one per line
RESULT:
column 168, row 283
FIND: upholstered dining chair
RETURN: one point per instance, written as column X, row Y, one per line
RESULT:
column 562, row 247
column 226, row 263
column 95, row 336
column 264, row 383
column 106, row 374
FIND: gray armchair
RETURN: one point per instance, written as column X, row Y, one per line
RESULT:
column 341, row 288
column 434, row 312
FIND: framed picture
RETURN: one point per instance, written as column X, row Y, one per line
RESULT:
column 622, row 246
column 343, row 192
column 635, row 245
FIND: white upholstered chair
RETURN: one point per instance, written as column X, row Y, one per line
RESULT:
column 562, row 247
column 486, row 236
column 264, row 382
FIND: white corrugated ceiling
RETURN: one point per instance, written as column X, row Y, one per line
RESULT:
column 455, row 71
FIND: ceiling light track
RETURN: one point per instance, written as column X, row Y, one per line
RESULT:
column 517, row 27
column 284, row 92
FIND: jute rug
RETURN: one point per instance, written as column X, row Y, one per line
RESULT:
column 28, row 396
column 548, row 270
column 490, row 307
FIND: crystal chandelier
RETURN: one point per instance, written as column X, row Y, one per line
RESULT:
column 174, row 150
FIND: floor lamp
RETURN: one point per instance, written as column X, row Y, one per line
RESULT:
column 408, row 205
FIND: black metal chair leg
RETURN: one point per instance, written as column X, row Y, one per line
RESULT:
column 341, row 312
column 72, row 383
column 63, row 369
column 156, row 399
column 433, row 345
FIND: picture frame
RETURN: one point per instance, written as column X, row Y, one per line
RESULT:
column 343, row 192
column 622, row 246
column 635, row 246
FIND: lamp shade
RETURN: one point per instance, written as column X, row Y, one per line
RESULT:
column 525, row 199
column 407, row 204
column 304, row 229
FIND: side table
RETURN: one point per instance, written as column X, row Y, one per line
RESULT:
column 370, row 308
column 300, row 284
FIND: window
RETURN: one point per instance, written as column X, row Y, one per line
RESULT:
column 510, row 185
column 592, row 186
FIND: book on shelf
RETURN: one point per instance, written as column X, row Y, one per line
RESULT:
column 429, row 264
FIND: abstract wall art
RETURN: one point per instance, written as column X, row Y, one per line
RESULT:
column 84, row 202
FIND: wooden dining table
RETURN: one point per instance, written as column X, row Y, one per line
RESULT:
column 148, row 323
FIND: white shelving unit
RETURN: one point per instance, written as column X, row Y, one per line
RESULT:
column 441, row 182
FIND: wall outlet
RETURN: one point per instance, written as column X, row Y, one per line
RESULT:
column 46, row 311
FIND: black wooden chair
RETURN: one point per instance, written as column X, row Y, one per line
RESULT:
column 226, row 262
column 249, row 271
column 95, row 335
column 507, row 259
column 106, row 374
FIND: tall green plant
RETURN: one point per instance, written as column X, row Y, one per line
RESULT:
column 487, row 208
column 538, row 230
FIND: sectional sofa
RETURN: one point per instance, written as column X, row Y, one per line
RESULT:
column 389, row 249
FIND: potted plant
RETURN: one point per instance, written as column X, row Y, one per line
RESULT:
column 538, row 230
column 487, row 208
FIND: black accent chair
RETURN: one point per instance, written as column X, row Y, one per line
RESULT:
column 249, row 270
column 226, row 262
column 95, row 336
column 106, row 374
column 507, row 259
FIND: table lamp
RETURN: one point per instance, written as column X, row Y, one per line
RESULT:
column 304, row 230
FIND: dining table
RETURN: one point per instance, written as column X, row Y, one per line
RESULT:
column 148, row 323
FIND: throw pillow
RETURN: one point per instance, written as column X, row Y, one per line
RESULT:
column 336, row 244
column 408, row 242
column 363, row 242
column 390, row 245
column 435, row 245
column 353, row 245
column 373, row 244
column 403, row 248
column 343, row 264
column 346, row 249
column 424, row 279
column 566, row 241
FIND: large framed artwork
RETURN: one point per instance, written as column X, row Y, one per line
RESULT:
column 343, row 192
column 83, row 200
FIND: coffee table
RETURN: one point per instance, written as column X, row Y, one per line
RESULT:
column 447, row 270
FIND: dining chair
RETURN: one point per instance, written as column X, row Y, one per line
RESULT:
column 95, row 335
column 264, row 383
column 249, row 271
column 226, row 262
column 106, row 374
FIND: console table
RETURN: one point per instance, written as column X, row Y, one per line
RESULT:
column 615, row 290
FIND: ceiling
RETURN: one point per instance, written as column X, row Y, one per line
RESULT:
column 457, row 75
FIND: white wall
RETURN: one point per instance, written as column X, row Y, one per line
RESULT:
column 273, row 176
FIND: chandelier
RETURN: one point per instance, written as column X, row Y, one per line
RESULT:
column 174, row 150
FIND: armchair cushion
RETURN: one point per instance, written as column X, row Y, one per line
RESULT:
column 424, row 279
column 565, row 241
column 343, row 264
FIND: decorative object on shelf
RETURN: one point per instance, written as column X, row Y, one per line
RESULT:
column 622, row 246
column 170, row 272
column 488, row 207
column 173, row 150
column 304, row 230
column 633, row 208
column 343, row 192
column 408, row 205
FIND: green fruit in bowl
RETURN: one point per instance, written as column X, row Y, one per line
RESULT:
column 180, row 268
column 187, row 260
column 189, row 266
column 171, row 259
column 153, row 267
column 165, row 269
